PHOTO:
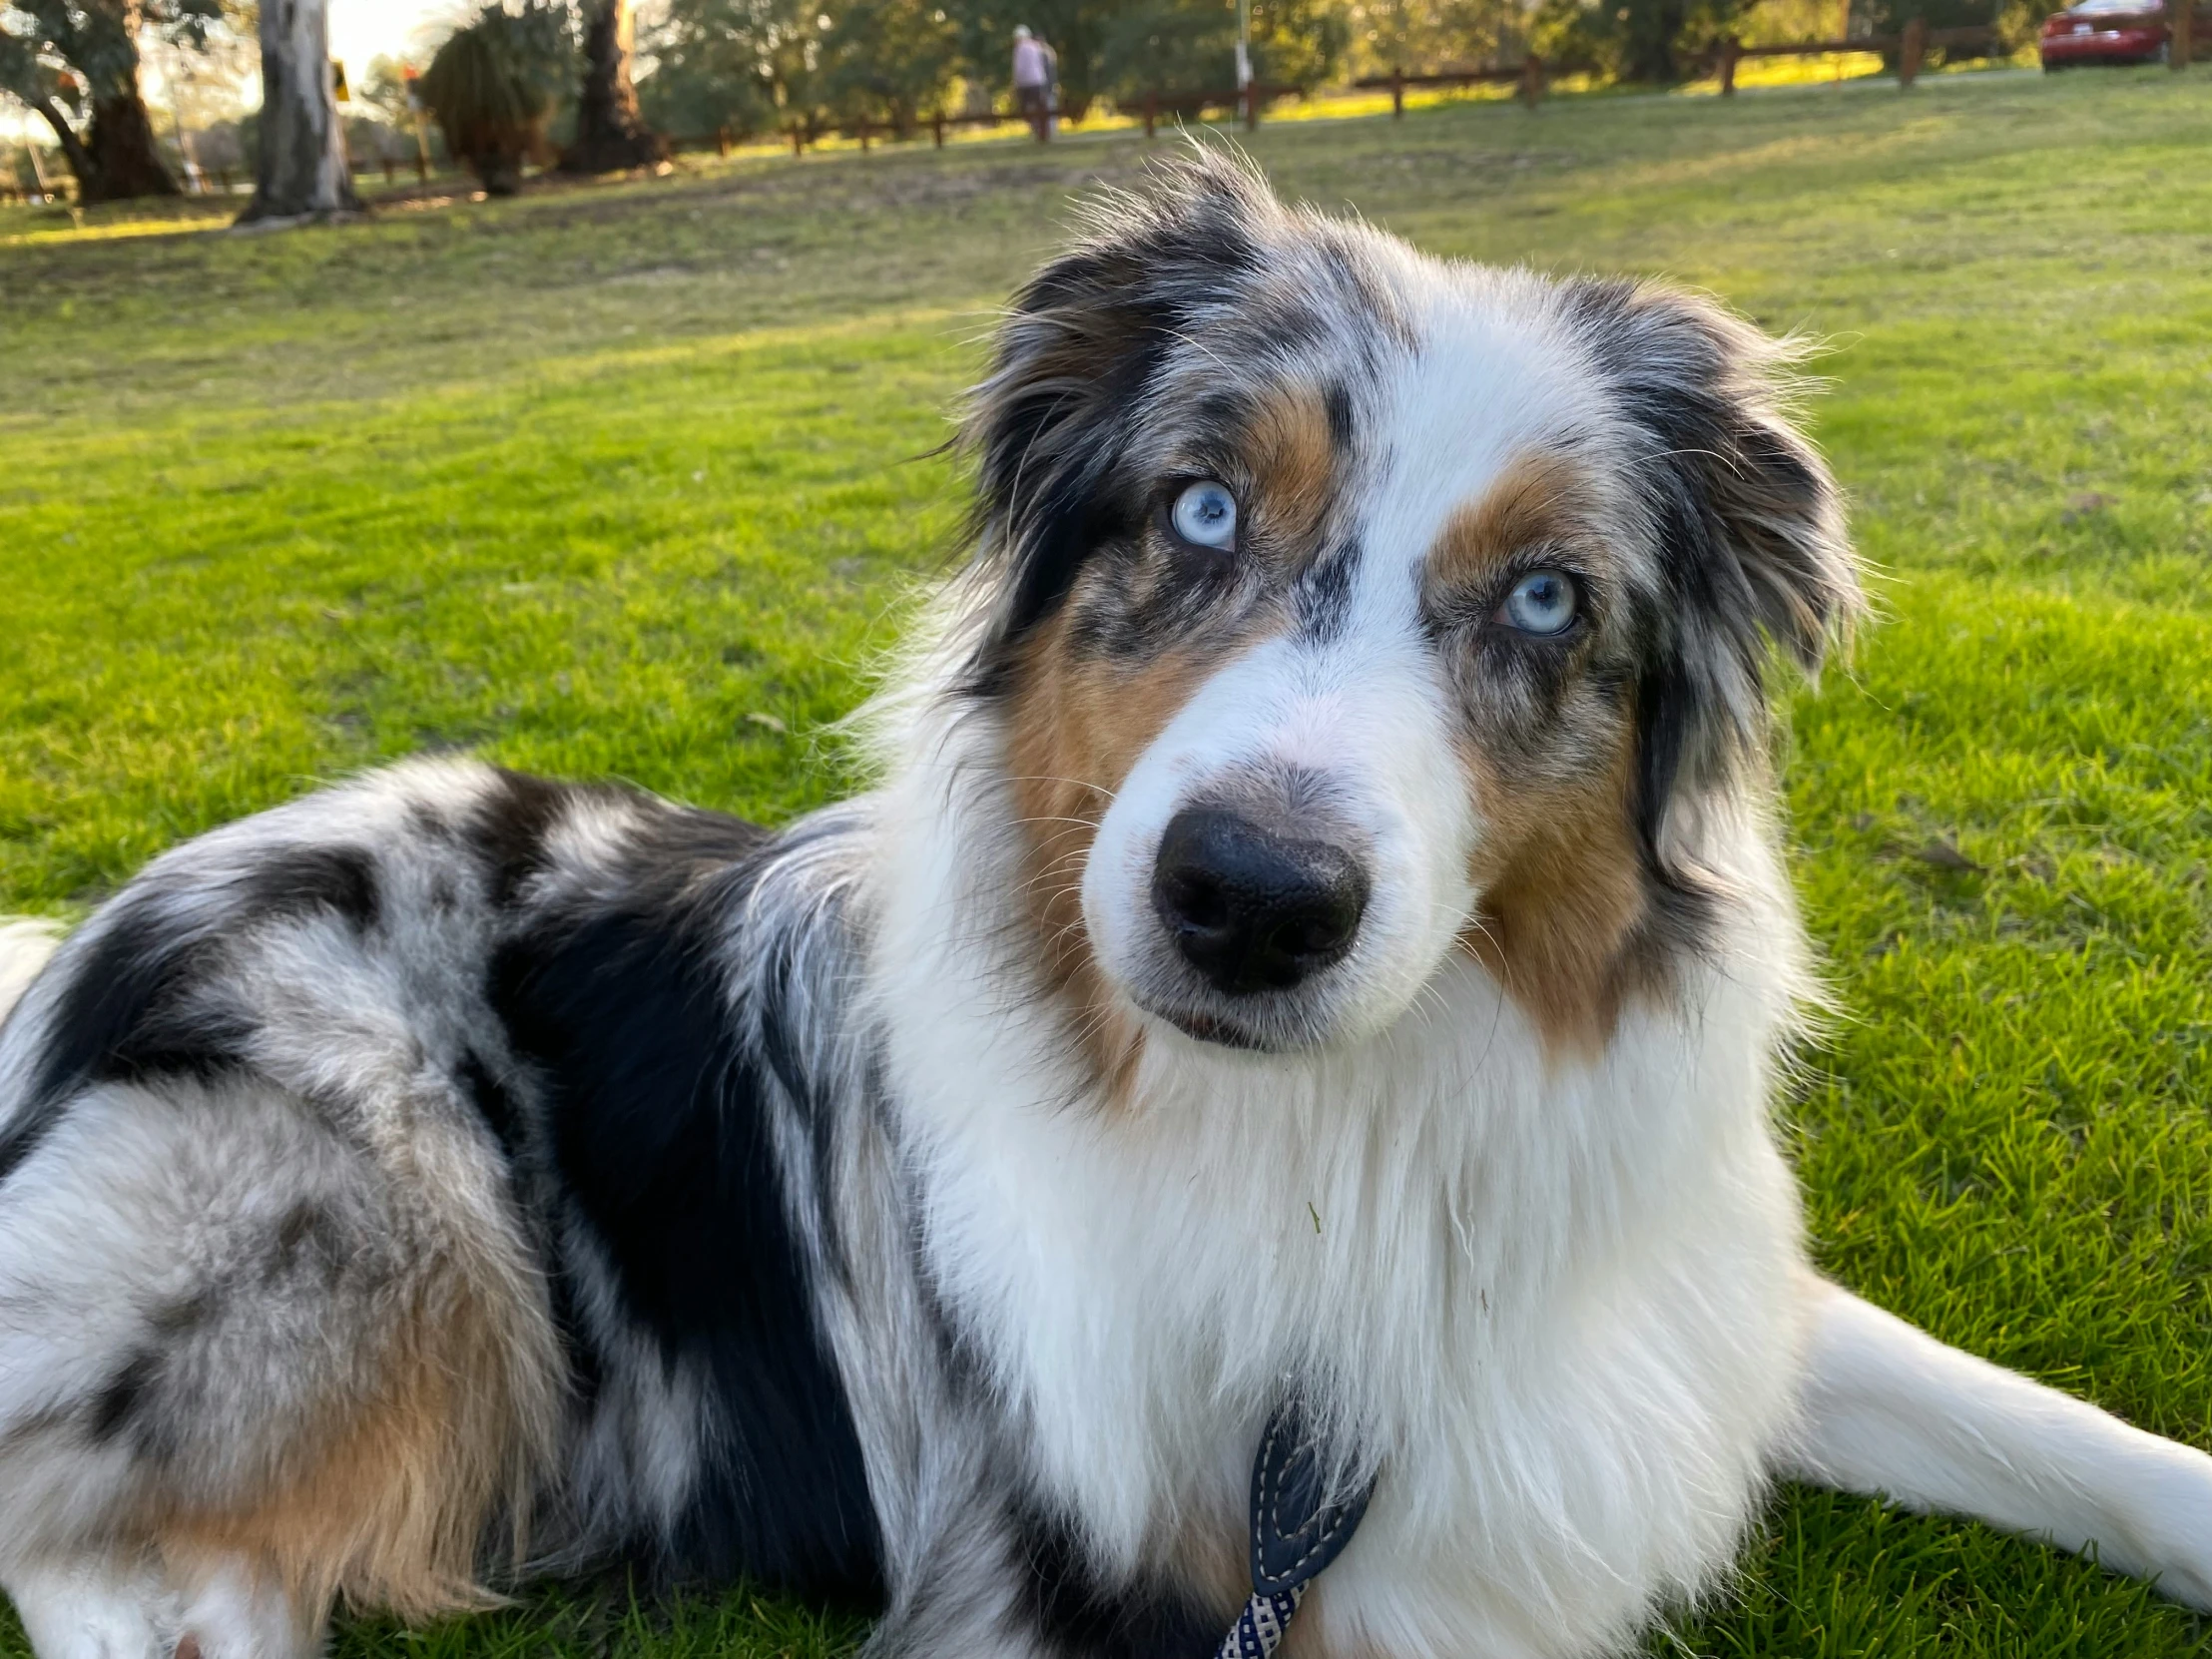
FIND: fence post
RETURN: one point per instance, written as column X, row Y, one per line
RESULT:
column 937, row 128
column 1532, row 80
column 1151, row 112
column 864, row 135
column 1914, row 48
column 1397, row 93
column 1731, row 50
column 2184, row 33
column 1252, row 106
column 798, row 143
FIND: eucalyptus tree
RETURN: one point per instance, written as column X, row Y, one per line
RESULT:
column 300, row 173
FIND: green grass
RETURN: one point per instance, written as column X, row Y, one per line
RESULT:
column 588, row 481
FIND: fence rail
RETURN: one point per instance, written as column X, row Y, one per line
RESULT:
column 1530, row 74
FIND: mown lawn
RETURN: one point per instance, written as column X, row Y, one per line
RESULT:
column 634, row 479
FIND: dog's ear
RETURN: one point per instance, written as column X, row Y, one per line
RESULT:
column 1072, row 365
column 1749, row 526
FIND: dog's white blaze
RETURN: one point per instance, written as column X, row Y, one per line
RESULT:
column 1361, row 712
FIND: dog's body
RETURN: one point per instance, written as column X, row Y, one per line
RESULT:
column 1319, row 934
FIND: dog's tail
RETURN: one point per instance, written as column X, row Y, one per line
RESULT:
column 24, row 948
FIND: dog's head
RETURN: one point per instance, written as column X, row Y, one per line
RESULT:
column 1348, row 609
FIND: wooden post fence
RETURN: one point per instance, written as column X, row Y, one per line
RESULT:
column 1151, row 112
column 2179, row 49
column 1732, row 50
column 1397, row 94
column 937, row 128
column 1913, row 50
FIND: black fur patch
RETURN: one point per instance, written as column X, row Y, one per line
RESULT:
column 509, row 825
column 1323, row 592
column 495, row 1103
column 119, row 1399
column 1079, row 1614
column 1337, row 401
column 296, row 881
column 125, row 1013
column 659, row 1129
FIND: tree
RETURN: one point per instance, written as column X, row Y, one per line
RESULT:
column 611, row 135
column 493, row 85
column 300, row 173
column 75, row 63
column 741, row 64
column 1633, row 40
column 1436, row 34
column 893, row 58
column 1191, row 45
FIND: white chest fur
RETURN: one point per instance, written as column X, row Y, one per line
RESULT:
column 1557, row 1298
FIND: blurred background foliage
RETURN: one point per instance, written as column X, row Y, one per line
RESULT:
column 502, row 89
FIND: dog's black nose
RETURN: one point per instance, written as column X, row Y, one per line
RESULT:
column 1249, row 909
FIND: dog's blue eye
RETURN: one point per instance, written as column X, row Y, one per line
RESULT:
column 1542, row 602
column 1205, row 515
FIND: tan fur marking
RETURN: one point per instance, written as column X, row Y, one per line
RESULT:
column 385, row 1502
column 1534, row 500
column 1561, row 897
column 1293, row 463
column 1075, row 727
column 1558, row 868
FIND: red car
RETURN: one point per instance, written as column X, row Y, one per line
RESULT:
column 2107, row 31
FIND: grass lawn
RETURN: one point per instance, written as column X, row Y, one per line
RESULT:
column 633, row 480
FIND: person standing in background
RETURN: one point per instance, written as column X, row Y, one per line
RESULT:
column 1032, row 80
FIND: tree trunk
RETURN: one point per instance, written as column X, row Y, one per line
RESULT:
column 120, row 141
column 610, row 133
column 73, row 148
column 301, row 174
column 1654, row 26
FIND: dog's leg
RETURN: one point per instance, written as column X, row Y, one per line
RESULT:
column 1888, row 1410
column 92, row 1608
column 223, row 1351
column 238, row 1614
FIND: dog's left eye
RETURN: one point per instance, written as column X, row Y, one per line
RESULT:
column 1205, row 515
column 1543, row 603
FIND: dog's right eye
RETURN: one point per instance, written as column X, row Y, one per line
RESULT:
column 1543, row 603
column 1205, row 515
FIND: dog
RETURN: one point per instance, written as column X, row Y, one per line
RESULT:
column 1319, row 934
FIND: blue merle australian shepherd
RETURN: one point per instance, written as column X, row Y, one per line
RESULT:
column 1318, row 937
